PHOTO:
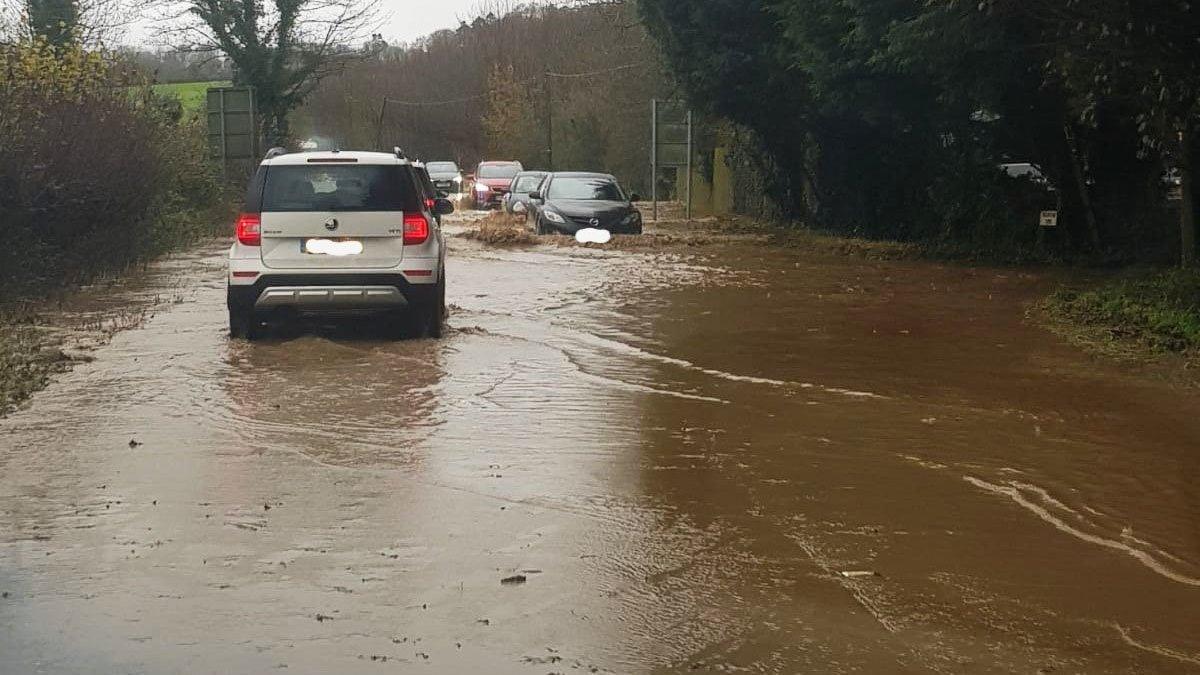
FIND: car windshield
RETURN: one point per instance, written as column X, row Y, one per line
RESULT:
column 442, row 167
column 526, row 184
column 499, row 170
column 593, row 189
column 338, row 188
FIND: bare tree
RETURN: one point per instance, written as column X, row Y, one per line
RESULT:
column 88, row 22
column 282, row 48
column 105, row 21
column 492, row 88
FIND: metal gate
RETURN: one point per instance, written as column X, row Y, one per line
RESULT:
column 233, row 130
column 671, row 146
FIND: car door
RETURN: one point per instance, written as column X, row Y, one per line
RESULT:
column 535, row 205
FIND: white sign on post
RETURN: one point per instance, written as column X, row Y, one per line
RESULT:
column 1049, row 219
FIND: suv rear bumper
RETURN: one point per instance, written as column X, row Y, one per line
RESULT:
column 330, row 292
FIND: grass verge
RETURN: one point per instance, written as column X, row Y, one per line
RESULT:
column 28, row 358
column 1145, row 311
column 193, row 96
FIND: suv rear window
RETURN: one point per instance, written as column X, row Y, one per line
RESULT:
column 339, row 188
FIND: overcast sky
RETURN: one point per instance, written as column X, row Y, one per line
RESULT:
column 411, row 19
column 403, row 20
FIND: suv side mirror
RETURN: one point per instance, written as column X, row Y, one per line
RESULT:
column 535, row 195
column 634, row 198
column 442, row 206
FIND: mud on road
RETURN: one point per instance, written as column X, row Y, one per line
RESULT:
column 726, row 458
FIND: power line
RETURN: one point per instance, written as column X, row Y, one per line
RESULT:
column 478, row 97
column 433, row 104
column 594, row 73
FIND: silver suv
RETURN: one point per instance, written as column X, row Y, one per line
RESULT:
column 338, row 233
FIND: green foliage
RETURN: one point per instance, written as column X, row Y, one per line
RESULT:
column 282, row 48
column 1160, row 310
column 26, row 364
column 192, row 96
column 888, row 118
column 95, row 177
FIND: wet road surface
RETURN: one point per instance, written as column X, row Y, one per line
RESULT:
column 726, row 459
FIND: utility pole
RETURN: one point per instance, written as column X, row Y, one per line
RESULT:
column 1187, row 204
column 689, row 166
column 549, row 123
column 654, row 155
column 379, row 125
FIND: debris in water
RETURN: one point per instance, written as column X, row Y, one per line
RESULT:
column 858, row 574
column 133, row 443
column 513, row 580
column 322, row 618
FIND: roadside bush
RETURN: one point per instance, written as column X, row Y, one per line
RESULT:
column 1160, row 310
column 97, row 174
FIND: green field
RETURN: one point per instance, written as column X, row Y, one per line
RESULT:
column 190, row 94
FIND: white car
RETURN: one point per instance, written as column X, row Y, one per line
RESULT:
column 338, row 233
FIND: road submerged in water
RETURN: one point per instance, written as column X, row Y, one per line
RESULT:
column 727, row 458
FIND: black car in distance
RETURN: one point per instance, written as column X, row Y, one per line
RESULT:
column 568, row 202
column 446, row 177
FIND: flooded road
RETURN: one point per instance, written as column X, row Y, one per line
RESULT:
column 711, row 460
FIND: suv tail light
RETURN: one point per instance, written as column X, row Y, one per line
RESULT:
column 416, row 229
column 249, row 229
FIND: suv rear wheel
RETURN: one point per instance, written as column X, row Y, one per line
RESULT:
column 432, row 314
column 423, row 318
column 242, row 324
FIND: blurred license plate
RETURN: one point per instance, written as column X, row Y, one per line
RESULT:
column 338, row 248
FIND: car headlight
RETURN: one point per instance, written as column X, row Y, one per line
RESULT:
column 554, row 217
column 458, row 179
column 630, row 219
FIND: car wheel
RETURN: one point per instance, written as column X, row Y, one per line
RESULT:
column 242, row 324
column 426, row 318
column 541, row 227
column 435, row 312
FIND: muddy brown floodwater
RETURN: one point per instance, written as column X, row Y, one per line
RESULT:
column 720, row 459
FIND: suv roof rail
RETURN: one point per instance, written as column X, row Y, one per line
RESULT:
column 275, row 152
column 399, row 153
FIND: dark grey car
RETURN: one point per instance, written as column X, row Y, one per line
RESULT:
column 568, row 202
column 518, row 191
column 446, row 177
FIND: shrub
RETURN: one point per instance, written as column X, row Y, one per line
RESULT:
column 97, row 172
column 1161, row 310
